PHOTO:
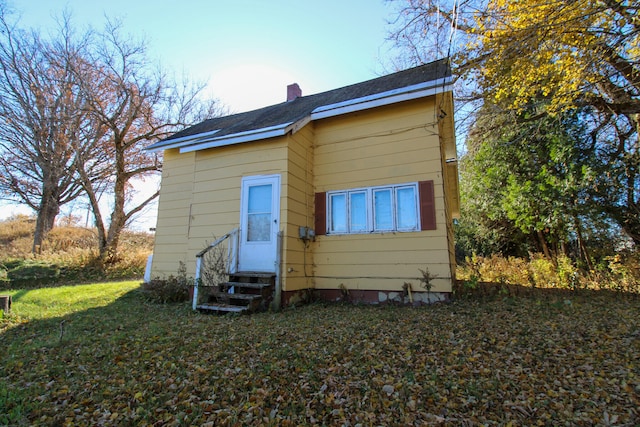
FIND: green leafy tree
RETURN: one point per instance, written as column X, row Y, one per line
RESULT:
column 570, row 55
column 526, row 180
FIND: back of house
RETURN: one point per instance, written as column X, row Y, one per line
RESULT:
column 346, row 194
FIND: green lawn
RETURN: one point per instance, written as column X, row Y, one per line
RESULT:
column 99, row 355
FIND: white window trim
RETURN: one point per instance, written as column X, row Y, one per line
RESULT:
column 370, row 209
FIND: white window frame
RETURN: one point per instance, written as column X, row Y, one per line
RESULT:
column 370, row 209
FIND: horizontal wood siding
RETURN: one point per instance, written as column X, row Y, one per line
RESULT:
column 388, row 145
column 217, row 185
column 200, row 197
column 297, row 267
column 170, row 247
column 450, row 176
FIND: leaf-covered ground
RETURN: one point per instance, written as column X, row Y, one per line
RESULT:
column 520, row 361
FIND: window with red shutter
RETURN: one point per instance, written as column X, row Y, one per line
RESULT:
column 399, row 207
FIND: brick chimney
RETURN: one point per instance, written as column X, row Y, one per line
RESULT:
column 293, row 92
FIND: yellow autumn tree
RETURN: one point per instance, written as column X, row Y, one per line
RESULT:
column 572, row 53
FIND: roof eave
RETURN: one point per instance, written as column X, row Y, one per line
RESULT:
column 179, row 142
column 238, row 138
column 421, row 90
column 207, row 140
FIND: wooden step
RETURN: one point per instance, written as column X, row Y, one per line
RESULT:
column 253, row 292
column 223, row 308
column 228, row 296
column 253, row 274
column 247, row 285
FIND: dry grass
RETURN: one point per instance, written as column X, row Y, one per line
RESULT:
column 620, row 272
column 70, row 252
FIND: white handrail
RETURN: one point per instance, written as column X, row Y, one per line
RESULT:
column 231, row 262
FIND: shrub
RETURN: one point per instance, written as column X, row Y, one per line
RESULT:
column 170, row 289
column 543, row 273
column 625, row 269
column 496, row 269
column 620, row 272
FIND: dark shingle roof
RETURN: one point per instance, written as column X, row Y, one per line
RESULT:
column 301, row 107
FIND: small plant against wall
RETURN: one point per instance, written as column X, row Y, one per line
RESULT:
column 214, row 269
column 171, row 289
column 426, row 281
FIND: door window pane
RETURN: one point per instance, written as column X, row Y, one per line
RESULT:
column 260, row 199
column 259, row 213
column 358, row 211
column 382, row 211
column 406, row 211
column 338, row 204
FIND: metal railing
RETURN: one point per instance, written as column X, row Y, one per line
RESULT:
column 231, row 261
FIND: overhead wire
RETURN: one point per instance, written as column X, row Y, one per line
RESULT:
column 453, row 29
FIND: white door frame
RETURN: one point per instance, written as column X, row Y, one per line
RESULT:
column 259, row 255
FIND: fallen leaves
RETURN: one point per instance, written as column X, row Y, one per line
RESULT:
column 497, row 362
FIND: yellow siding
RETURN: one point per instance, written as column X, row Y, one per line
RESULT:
column 200, row 198
column 173, row 213
column 449, row 165
column 191, row 216
column 217, row 186
column 388, row 145
column 297, row 267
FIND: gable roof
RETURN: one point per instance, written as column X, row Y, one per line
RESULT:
column 279, row 119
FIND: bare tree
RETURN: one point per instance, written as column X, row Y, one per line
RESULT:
column 134, row 104
column 76, row 113
column 42, row 114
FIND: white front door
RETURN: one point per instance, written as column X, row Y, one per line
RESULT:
column 259, row 223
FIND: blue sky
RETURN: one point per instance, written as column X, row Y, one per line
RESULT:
column 246, row 51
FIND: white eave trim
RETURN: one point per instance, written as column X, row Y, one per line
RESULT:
column 179, row 142
column 237, row 138
column 420, row 90
column 206, row 140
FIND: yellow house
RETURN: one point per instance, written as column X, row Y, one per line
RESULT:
column 346, row 194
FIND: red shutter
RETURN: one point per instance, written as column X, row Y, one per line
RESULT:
column 321, row 214
column 427, row 205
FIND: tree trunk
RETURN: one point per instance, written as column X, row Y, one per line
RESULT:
column 5, row 303
column 46, row 218
column 628, row 218
column 582, row 248
column 109, row 249
column 543, row 244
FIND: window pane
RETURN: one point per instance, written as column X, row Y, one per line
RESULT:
column 259, row 213
column 260, row 199
column 382, row 210
column 406, row 211
column 338, row 217
column 358, row 212
column 259, row 227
